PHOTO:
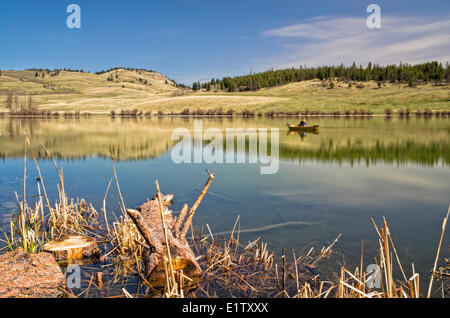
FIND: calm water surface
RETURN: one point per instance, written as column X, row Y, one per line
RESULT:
column 335, row 181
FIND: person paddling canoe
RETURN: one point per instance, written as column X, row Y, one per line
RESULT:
column 303, row 123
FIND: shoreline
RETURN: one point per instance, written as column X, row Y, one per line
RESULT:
column 434, row 113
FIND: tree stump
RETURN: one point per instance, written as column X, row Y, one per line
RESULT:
column 73, row 248
column 149, row 221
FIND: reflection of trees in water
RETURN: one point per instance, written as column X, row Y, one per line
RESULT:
column 431, row 154
column 410, row 152
column 17, row 127
column 368, row 141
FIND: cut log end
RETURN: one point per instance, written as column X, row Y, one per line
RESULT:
column 191, row 270
column 73, row 248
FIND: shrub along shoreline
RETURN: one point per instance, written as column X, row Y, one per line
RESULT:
column 219, row 112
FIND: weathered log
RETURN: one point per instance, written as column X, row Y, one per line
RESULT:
column 29, row 275
column 73, row 248
column 149, row 222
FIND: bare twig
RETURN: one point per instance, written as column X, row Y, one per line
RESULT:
column 181, row 218
column 196, row 204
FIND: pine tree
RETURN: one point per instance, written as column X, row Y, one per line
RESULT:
column 232, row 86
column 447, row 73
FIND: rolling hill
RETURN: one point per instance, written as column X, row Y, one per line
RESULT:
column 151, row 91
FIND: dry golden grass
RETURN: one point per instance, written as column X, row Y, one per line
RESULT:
column 151, row 91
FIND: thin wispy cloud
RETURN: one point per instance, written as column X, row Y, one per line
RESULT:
column 332, row 40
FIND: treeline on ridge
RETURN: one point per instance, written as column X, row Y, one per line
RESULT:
column 402, row 73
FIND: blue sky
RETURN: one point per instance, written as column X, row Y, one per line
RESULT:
column 197, row 40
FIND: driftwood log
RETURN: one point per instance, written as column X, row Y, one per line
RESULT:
column 160, row 229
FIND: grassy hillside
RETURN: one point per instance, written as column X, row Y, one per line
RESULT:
column 151, row 91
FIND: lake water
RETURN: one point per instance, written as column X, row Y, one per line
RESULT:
column 334, row 181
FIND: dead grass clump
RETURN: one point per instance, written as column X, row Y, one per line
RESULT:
column 127, row 246
column 357, row 284
column 36, row 224
column 235, row 270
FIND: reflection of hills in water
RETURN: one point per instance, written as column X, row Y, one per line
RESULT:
column 83, row 138
column 340, row 140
